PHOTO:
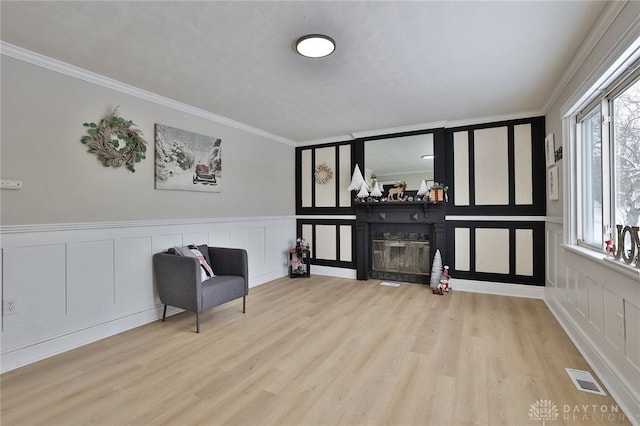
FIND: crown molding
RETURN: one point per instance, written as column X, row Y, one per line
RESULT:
column 612, row 10
column 399, row 129
column 332, row 139
column 55, row 65
column 493, row 119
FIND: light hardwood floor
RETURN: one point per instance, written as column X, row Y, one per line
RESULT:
column 318, row 351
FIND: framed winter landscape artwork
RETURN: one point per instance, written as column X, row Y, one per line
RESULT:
column 187, row 161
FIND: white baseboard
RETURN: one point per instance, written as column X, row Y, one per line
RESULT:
column 332, row 271
column 613, row 381
column 266, row 277
column 500, row 289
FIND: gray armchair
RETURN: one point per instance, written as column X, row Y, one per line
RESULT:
column 179, row 282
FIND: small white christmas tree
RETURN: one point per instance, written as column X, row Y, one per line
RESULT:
column 357, row 180
column 375, row 192
column 436, row 269
column 363, row 190
column 423, row 188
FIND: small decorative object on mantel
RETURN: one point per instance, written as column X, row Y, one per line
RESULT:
column 375, row 189
column 115, row 141
column 423, row 190
column 375, row 192
column 357, row 180
column 363, row 191
column 397, row 192
column 438, row 193
column 323, row 174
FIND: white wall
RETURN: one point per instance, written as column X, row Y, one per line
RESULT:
column 77, row 240
column 597, row 302
column 42, row 116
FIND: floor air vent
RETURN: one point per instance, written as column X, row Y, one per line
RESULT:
column 584, row 381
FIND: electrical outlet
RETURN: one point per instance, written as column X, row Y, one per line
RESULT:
column 620, row 325
column 10, row 307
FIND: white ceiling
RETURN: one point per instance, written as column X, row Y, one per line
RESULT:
column 397, row 63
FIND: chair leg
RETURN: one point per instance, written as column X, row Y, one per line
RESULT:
column 164, row 314
column 244, row 304
column 197, row 322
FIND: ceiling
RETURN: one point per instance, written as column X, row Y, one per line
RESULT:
column 397, row 63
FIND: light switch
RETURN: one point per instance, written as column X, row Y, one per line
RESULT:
column 10, row 184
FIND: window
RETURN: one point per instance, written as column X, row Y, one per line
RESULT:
column 591, row 178
column 626, row 137
column 608, row 162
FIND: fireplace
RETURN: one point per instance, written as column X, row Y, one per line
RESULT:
column 396, row 240
column 400, row 256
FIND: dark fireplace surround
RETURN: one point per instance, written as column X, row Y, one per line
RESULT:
column 401, row 217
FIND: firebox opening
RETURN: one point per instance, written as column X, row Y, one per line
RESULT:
column 401, row 257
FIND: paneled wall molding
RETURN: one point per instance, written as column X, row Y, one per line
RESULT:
column 54, row 227
column 555, row 219
column 600, row 259
column 37, row 59
column 598, row 305
column 496, row 218
column 618, row 386
column 496, row 168
column 497, row 251
column 326, row 216
column 74, row 285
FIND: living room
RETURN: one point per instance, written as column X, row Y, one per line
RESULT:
column 78, row 238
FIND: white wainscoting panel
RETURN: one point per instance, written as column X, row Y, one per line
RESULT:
column 306, row 174
column 522, row 164
column 326, row 242
column 90, row 278
column 492, row 250
column 344, row 151
column 326, row 192
column 491, row 162
column 133, row 273
column 524, row 252
column 461, row 168
column 462, row 252
column 613, row 312
column 631, row 325
column 597, row 305
column 74, row 284
column 345, row 243
column 220, row 238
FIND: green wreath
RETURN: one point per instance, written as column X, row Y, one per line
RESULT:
column 115, row 142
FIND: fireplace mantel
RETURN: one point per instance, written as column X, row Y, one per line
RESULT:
column 407, row 213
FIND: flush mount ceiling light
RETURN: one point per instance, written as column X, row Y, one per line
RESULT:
column 315, row 46
column 428, row 157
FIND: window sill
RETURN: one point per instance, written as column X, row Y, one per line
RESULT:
column 601, row 259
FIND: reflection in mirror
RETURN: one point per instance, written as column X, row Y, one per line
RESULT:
column 404, row 158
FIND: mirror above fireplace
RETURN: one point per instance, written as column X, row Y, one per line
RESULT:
column 403, row 158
